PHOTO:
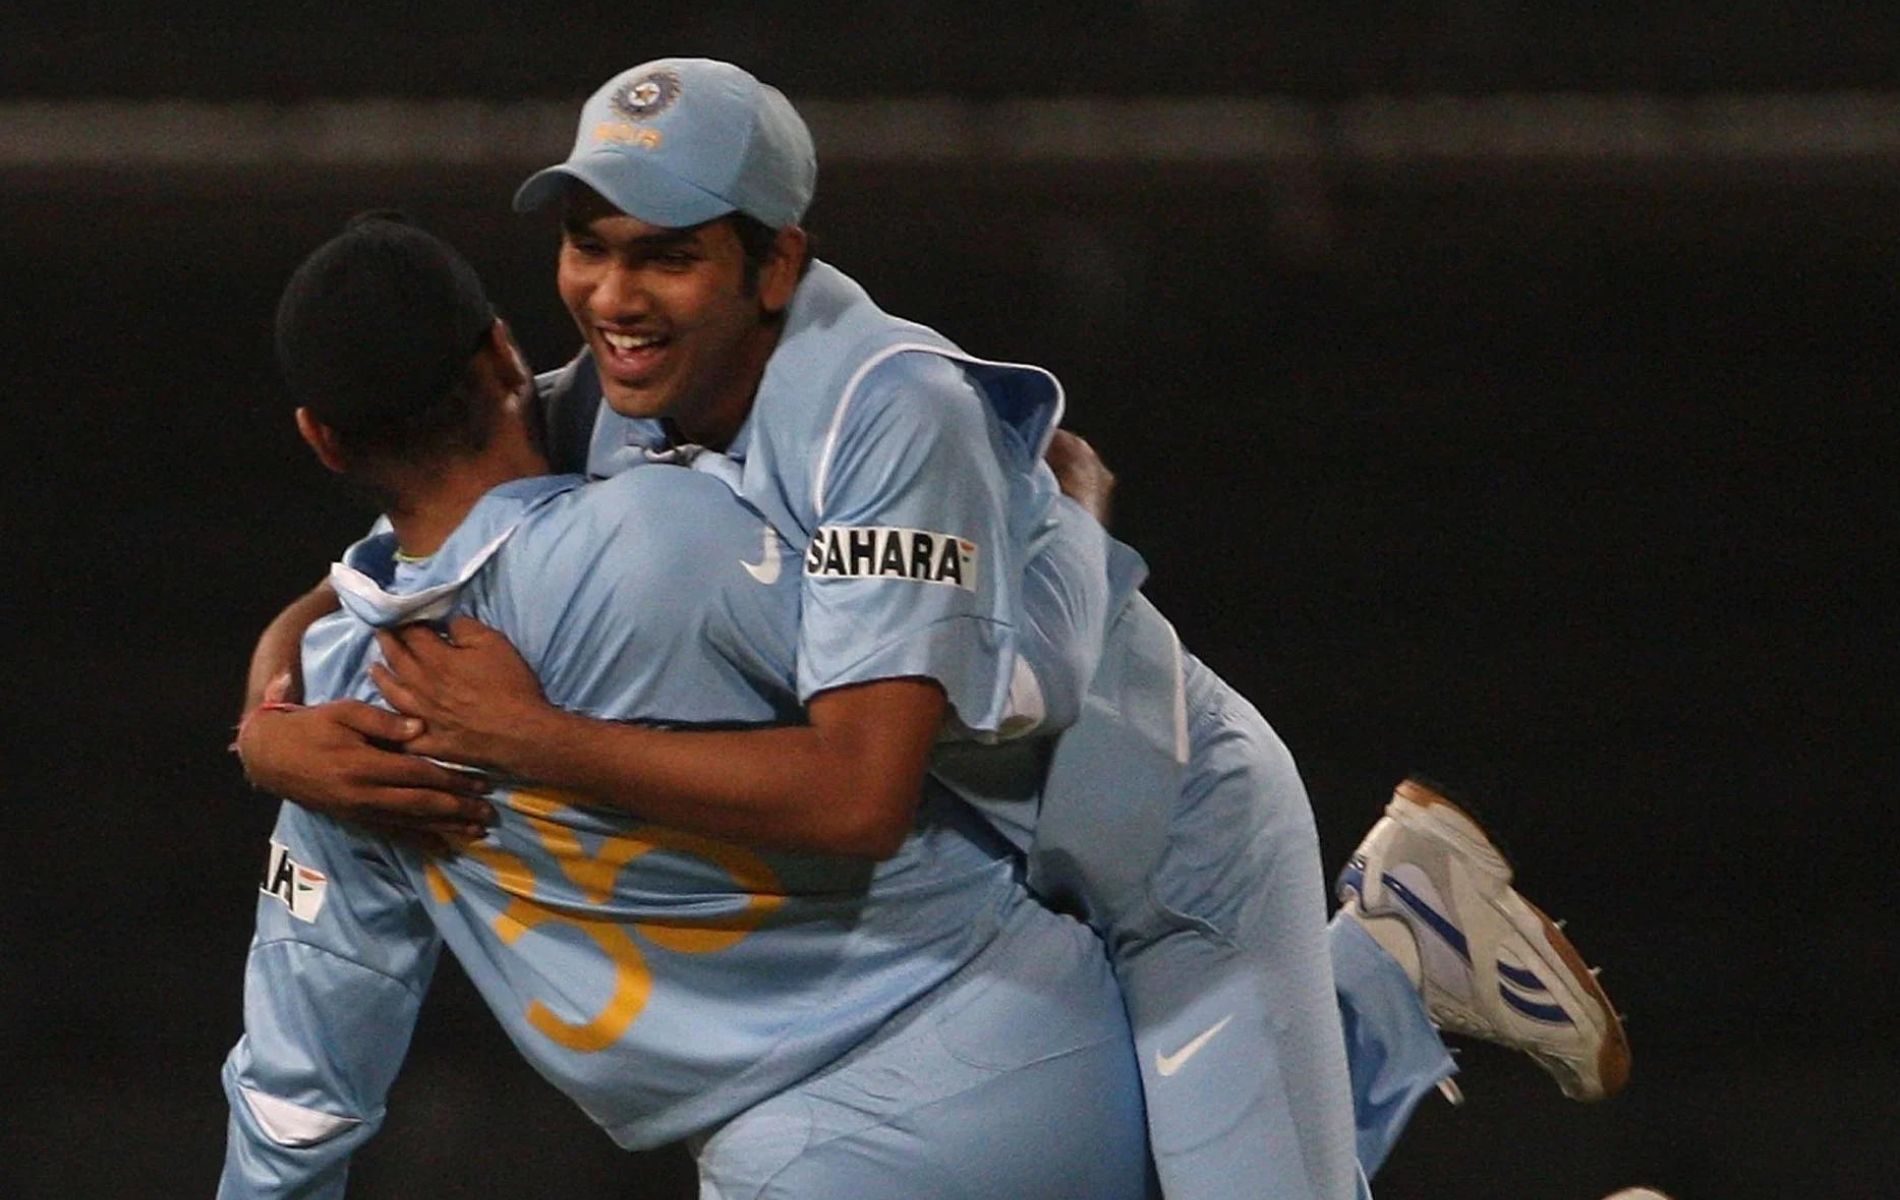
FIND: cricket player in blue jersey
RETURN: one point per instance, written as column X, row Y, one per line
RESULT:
column 818, row 1025
column 907, row 476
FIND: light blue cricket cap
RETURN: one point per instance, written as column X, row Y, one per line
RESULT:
column 680, row 141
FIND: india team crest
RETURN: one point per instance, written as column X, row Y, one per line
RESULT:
column 646, row 97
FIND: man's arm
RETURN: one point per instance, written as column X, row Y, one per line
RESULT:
column 343, row 955
column 277, row 663
column 906, row 621
column 847, row 783
column 899, row 648
column 338, row 758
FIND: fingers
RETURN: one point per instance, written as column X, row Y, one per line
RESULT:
column 1081, row 473
column 438, row 746
column 373, row 722
column 400, row 695
column 1070, row 451
column 425, row 840
column 397, row 780
column 396, row 650
column 422, row 641
column 430, row 840
column 392, row 810
column 1064, row 444
column 425, row 808
column 280, row 689
column 465, row 631
column 412, row 785
column 332, row 758
column 415, row 651
column 439, row 836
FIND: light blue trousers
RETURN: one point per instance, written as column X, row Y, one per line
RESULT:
column 1278, row 1058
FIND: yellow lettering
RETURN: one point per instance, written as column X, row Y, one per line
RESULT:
column 632, row 985
column 631, row 135
column 593, row 876
column 704, row 935
column 440, row 889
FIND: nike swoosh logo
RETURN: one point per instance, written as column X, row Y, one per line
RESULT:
column 1168, row 1064
column 766, row 569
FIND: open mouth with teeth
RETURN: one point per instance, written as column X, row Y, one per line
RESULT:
column 631, row 354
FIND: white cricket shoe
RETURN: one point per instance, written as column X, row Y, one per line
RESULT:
column 1430, row 887
column 1637, row 1193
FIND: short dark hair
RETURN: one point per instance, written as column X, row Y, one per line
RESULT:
column 756, row 242
column 376, row 332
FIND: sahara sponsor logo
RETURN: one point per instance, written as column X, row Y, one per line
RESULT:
column 891, row 552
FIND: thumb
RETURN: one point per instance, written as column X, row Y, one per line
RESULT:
column 378, row 723
column 464, row 631
column 280, row 688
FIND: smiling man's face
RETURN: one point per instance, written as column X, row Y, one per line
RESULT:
column 676, row 329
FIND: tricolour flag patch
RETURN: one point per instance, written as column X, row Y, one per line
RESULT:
column 299, row 888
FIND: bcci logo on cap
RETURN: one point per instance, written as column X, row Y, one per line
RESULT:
column 646, row 97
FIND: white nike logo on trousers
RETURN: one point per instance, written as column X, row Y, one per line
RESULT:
column 1168, row 1064
column 766, row 569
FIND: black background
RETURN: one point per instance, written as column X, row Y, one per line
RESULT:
column 1563, row 484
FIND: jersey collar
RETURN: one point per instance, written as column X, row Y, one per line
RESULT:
column 366, row 579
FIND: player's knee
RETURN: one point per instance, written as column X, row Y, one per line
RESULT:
column 290, row 1124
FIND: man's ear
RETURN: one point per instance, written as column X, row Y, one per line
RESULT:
column 778, row 277
column 322, row 441
column 510, row 367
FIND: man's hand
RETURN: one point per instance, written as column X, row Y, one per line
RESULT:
column 479, row 701
column 337, row 759
column 1081, row 473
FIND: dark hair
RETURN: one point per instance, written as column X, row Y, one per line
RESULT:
column 455, row 424
column 756, row 241
column 376, row 334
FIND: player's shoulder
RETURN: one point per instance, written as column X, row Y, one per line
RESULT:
column 658, row 511
column 635, row 490
column 659, row 541
column 920, row 373
column 669, row 494
column 913, row 389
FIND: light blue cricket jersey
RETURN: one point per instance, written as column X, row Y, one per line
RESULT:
column 663, row 981
column 908, row 477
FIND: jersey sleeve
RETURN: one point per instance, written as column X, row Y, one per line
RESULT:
column 911, row 571
column 1066, row 600
column 336, row 973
